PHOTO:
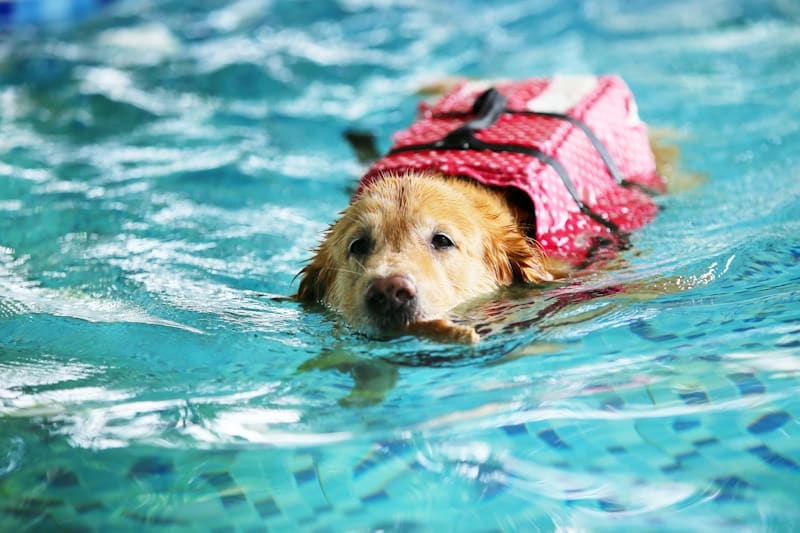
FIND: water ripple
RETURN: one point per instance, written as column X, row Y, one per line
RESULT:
column 165, row 169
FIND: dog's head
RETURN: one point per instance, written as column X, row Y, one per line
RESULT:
column 409, row 249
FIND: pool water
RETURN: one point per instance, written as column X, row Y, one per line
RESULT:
column 165, row 168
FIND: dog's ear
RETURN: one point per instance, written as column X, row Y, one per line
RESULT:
column 315, row 279
column 515, row 257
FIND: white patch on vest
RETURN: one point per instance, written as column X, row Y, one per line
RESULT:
column 563, row 93
column 633, row 114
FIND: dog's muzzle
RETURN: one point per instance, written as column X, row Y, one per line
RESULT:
column 392, row 302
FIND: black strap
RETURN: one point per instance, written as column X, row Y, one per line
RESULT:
column 471, row 143
column 598, row 145
column 596, row 142
column 488, row 107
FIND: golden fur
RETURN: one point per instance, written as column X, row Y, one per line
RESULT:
column 430, row 243
column 401, row 215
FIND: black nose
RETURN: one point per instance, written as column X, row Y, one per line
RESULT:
column 392, row 301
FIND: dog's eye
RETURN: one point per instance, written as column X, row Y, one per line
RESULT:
column 359, row 247
column 440, row 241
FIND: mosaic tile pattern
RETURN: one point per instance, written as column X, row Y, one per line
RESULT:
column 713, row 463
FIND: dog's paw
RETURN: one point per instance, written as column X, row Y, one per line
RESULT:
column 442, row 330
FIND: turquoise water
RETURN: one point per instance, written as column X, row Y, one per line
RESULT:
column 165, row 170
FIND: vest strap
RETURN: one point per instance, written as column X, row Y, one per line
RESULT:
column 488, row 107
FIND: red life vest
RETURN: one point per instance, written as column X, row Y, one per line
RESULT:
column 573, row 144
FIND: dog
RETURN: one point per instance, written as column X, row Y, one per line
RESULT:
column 517, row 182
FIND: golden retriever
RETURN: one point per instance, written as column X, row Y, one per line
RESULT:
column 412, row 247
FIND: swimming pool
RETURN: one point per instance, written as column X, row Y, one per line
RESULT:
column 164, row 171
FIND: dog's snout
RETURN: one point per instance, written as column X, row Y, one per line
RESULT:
column 393, row 298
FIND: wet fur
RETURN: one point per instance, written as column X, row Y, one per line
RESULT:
column 402, row 212
column 399, row 216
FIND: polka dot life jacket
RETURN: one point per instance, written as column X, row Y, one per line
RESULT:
column 573, row 145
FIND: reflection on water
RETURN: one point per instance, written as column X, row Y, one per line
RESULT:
column 165, row 171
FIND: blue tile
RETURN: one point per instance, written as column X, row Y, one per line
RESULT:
column 646, row 331
column 769, row 422
column 304, row 476
column 610, row 506
column 152, row 520
column 694, row 398
column 552, row 439
column 365, row 466
column 60, row 478
column 399, row 526
column 747, row 383
column 516, row 429
column 493, row 480
column 773, row 458
column 614, row 403
column 706, row 442
column 730, row 488
column 687, row 455
column 151, row 466
column 792, row 343
column 89, row 507
column 231, row 499
column 671, row 468
column 375, row 497
column 684, row 424
column 267, row 508
column 220, row 480
column 393, row 447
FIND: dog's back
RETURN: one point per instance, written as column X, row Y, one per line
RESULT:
column 572, row 145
